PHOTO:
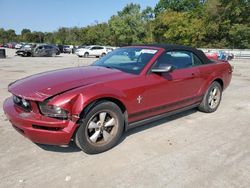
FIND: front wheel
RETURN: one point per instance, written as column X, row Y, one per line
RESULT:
column 212, row 98
column 101, row 129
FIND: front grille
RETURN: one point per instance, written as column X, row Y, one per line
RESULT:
column 24, row 104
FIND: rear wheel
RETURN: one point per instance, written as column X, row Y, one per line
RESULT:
column 103, row 54
column 211, row 99
column 86, row 55
column 101, row 129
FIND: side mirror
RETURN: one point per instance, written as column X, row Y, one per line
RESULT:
column 163, row 69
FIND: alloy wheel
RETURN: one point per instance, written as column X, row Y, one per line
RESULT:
column 101, row 128
column 214, row 97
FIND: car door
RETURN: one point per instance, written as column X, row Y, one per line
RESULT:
column 98, row 50
column 47, row 50
column 174, row 90
column 38, row 51
column 94, row 51
column 101, row 50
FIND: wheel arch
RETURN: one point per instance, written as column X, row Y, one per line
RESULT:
column 220, row 81
column 118, row 102
column 207, row 84
column 99, row 100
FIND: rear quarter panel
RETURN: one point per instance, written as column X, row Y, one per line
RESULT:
column 221, row 70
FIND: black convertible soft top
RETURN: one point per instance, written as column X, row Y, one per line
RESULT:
column 172, row 47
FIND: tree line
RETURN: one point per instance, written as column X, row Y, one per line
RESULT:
column 198, row 23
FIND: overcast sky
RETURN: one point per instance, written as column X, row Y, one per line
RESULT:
column 49, row 15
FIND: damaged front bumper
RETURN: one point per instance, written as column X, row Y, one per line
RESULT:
column 39, row 128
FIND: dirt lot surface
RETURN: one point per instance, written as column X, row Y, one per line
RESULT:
column 191, row 149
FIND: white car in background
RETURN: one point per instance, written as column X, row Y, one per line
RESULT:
column 94, row 50
column 19, row 45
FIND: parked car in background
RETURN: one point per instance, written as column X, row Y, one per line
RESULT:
column 82, row 46
column 94, row 50
column 219, row 55
column 67, row 49
column 26, row 50
column 230, row 56
column 222, row 55
column 40, row 50
column 60, row 47
column 19, row 45
column 129, row 86
column 212, row 55
column 11, row 44
column 45, row 51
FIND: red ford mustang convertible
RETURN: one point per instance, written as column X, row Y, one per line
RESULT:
column 130, row 86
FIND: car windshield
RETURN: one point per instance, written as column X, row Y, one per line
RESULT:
column 130, row 60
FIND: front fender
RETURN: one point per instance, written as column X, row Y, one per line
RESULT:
column 76, row 100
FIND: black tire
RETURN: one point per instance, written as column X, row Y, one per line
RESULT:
column 79, row 56
column 86, row 55
column 103, row 54
column 206, row 105
column 85, row 133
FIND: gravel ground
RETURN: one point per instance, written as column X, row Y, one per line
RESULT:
column 191, row 149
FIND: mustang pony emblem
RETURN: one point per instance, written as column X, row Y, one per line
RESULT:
column 139, row 98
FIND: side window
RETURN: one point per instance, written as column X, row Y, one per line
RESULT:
column 38, row 48
column 196, row 61
column 48, row 47
column 179, row 59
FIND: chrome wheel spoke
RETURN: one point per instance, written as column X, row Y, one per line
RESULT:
column 214, row 91
column 210, row 99
column 110, row 123
column 102, row 117
column 106, row 135
column 215, row 102
column 216, row 97
column 94, row 137
column 212, row 103
column 93, row 125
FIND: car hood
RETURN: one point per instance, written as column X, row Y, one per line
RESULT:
column 44, row 85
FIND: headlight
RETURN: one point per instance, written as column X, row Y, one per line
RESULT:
column 52, row 111
column 22, row 103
